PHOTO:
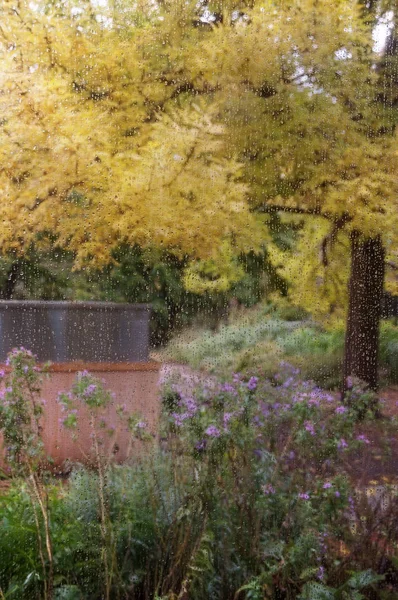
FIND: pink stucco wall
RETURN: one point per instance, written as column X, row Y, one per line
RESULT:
column 134, row 384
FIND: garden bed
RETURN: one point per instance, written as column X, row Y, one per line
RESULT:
column 250, row 494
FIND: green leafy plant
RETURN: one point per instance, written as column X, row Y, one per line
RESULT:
column 89, row 391
column 21, row 410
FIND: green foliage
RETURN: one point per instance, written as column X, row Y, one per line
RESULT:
column 19, row 533
column 389, row 350
column 21, row 411
column 205, row 136
column 260, row 338
column 146, row 275
column 350, row 590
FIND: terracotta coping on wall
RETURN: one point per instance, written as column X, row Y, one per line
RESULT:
column 73, row 304
column 104, row 367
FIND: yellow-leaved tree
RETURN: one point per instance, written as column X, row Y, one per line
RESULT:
column 190, row 125
column 95, row 151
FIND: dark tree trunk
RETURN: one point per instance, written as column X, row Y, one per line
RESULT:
column 12, row 279
column 364, row 310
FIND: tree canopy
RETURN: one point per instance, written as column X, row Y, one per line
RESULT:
column 92, row 157
column 169, row 123
column 189, row 125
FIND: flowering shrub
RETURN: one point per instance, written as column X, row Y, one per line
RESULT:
column 294, row 418
column 90, row 392
column 21, row 409
column 272, row 455
column 361, row 399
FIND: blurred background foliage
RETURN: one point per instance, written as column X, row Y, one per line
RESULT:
column 139, row 275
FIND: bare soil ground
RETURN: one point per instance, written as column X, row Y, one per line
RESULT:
column 378, row 461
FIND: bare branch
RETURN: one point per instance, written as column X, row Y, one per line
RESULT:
column 298, row 210
column 330, row 238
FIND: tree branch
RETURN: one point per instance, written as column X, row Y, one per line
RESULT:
column 272, row 208
column 330, row 238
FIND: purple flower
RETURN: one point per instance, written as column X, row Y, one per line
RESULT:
column 321, row 573
column 288, row 382
column 191, row 405
column 324, row 395
column 229, row 388
column 340, row 410
column 212, row 431
column 227, row 417
column 342, row 444
column 313, row 400
column 252, row 383
column 90, row 389
column 141, row 425
column 268, row 489
column 2, row 374
column 337, row 494
column 201, row 445
column 363, row 438
column 349, row 382
column 300, row 397
column 179, row 418
column 303, row 496
column 309, row 427
column 327, row 485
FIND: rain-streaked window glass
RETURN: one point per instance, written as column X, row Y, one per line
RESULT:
column 198, row 300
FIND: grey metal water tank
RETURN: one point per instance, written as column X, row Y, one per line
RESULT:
column 76, row 331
